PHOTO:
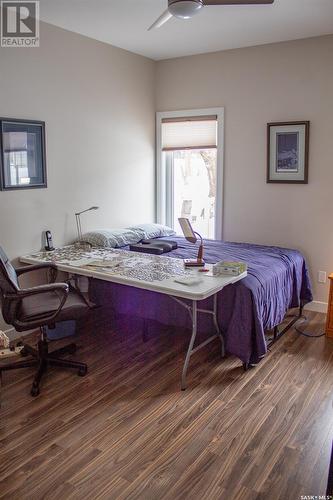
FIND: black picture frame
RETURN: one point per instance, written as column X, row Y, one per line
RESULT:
column 32, row 143
column 293, row 170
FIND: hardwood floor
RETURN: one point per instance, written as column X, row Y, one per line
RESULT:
column 126, row 431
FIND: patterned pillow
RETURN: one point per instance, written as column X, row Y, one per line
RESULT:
column 153, row 230
column 113, row 238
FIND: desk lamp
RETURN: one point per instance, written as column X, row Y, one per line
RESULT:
column 78, row 221
column 191, row 236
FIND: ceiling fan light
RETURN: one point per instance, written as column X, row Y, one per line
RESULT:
column 185, row 9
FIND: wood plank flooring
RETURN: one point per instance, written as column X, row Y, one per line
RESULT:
column 126, row 431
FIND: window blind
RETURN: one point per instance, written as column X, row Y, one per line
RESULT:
column 189, row 133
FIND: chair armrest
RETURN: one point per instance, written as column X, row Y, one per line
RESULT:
column 63, row 290
column 37, row 267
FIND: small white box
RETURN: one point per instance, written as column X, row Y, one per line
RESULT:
column 229, row 268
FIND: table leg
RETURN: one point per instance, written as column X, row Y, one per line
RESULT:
column 217, row 328
column 194, row 316
column 193, row 311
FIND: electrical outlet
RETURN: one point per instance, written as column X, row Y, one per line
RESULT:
column 322, row 276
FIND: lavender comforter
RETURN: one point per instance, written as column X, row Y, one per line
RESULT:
column 277, row 280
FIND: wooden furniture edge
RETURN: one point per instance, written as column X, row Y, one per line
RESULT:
column 329, row 320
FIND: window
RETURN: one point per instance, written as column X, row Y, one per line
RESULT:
column 17, row 162
column 189, row 169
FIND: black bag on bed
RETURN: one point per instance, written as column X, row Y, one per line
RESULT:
column 154, row 246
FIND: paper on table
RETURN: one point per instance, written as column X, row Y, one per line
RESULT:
column 188, row 280
column 79, row 262
column 103, row 263
column 93, row 263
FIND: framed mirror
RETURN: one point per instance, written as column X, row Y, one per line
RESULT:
column 22, row 154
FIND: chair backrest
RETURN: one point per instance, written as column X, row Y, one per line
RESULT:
column 8, row 277
column 8, row 284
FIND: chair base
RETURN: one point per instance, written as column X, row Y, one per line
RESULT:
column 43, row 359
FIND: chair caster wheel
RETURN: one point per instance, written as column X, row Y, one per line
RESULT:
column 24, row 353
column 34, row 391
column 72, row 349
column 82, row 372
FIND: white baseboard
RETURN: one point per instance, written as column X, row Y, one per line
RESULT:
column 9, row 331
column 317, row 306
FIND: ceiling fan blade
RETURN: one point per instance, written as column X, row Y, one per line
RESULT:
column 161, row 20
column 237, row 2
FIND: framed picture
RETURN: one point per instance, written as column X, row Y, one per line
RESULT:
column 22, row 154
column 288, row 152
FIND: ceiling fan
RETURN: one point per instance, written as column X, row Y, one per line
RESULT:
column 185, row 9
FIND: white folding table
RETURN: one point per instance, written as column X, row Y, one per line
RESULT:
column 148, row 272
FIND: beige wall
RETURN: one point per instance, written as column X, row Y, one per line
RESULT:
column 279, row 82
column 98, row 105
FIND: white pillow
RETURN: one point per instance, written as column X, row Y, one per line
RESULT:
column 153, row 230
column 113, row 238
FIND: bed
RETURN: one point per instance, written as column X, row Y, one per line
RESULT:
column 277, row 281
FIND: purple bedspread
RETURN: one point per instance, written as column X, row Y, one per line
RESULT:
column 277, row 281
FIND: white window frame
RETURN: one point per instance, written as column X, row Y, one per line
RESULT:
column 161, row 192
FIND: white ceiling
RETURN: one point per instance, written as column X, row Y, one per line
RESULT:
column 124, row 23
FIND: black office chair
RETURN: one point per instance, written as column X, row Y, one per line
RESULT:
column 39, row 307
